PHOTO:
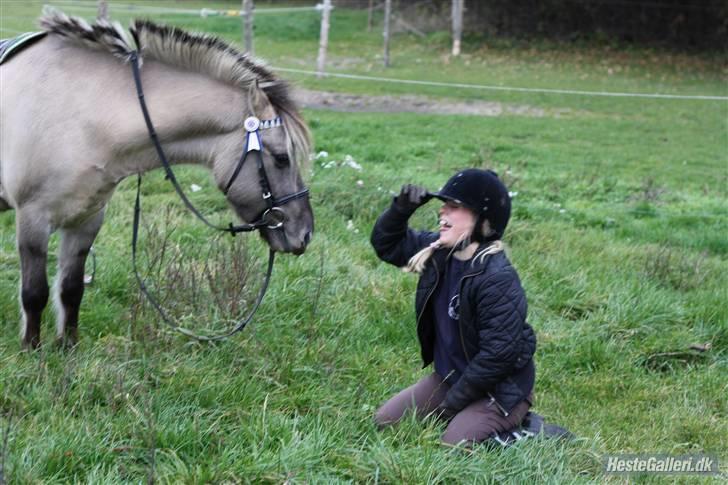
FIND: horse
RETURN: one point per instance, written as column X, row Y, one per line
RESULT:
column 71, row 129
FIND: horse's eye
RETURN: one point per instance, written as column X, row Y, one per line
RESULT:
column 282, row 159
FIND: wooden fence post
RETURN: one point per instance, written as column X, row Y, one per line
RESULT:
column 457, row 25
column 103, row 10
column 324, row 39
column 387, row 18
column 370, row 16
column 248, row 26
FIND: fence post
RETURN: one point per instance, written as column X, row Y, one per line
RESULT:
column 457, row 25
column 103, row 10
column 324, row 38
column 387, row 18
column 370, row 16
column 248, row 26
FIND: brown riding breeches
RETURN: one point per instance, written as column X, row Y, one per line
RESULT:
column 474, row 424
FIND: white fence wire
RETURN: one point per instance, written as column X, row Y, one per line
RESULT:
column 503, row 88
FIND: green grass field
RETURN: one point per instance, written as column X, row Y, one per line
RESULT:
column 619, row 233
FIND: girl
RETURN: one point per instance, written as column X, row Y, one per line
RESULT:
column 470, row 307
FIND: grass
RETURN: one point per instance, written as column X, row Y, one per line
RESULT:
column 618, row 234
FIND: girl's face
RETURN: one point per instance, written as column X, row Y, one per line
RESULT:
column 456, row 223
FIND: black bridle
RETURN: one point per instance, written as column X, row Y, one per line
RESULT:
column 272, row 216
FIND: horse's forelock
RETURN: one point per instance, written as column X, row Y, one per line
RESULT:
column 299, row 136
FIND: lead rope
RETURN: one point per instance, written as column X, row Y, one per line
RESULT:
column 231, row 229
column 142, row 286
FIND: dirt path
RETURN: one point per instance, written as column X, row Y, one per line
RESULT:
column 416, row 104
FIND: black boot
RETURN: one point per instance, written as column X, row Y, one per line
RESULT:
column 532, row 425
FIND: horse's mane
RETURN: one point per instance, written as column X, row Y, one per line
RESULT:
column 201, row 53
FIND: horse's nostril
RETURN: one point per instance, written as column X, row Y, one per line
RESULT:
column 307, row 238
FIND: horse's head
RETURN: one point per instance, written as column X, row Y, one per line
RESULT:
column 265, row 185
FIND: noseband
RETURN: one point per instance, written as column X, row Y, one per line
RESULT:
column 272, row 216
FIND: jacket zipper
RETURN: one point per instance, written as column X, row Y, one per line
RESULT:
column 427, row 298
column 460, row 328
column 462, row 343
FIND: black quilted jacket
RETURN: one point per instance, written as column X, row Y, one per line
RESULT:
column 498, row 342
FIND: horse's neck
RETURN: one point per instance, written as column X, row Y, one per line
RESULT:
column 190, row 113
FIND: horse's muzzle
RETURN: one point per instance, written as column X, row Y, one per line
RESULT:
column 287, row 240
column 302, row 248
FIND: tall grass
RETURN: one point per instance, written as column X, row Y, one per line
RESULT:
column 618, row 234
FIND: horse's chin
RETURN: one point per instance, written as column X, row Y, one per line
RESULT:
column 280, row 242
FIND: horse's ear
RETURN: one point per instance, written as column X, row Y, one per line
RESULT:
column 257, row 97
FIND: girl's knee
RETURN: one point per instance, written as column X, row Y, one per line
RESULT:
column 382, row 419
column 467, row 432
column 457, row 439
column 450, row 438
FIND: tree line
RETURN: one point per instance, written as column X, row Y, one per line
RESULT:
column 696, row 24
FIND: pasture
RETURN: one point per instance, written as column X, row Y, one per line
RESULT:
column 619, row 234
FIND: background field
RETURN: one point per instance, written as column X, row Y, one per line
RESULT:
column 618, row 233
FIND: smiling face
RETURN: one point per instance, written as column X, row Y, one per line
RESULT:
column 456, row 223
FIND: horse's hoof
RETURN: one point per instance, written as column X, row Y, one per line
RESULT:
column 66, row 343
column 30, row 341
column 30, row 345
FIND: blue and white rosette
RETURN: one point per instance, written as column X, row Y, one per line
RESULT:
column 253, row 126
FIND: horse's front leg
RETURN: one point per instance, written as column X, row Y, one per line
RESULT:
column 32, row 234
column 69, row 287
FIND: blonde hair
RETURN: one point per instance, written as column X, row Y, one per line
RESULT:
column 417, row 263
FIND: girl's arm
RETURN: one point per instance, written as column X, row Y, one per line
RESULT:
column 393, row 240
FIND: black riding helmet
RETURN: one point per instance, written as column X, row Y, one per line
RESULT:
column 482, row 192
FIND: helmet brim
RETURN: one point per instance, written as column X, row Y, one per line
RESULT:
column 447, row 198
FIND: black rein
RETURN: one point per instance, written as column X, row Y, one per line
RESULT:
column 272, row 204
